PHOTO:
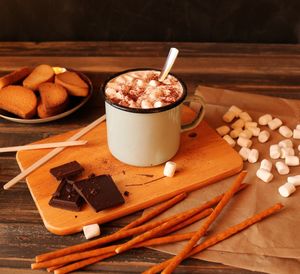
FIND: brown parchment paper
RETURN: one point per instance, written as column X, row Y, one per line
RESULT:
column 272, row 245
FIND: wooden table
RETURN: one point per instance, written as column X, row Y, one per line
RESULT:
column 268, row 69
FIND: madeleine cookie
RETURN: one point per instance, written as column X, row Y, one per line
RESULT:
column 14, row 76
column 54, row 98
column 18, row 100
column 73, row 83
column 41, row 74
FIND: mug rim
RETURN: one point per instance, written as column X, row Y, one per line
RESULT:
column 143, row 110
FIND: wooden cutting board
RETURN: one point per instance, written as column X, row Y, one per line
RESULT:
column 203, row 158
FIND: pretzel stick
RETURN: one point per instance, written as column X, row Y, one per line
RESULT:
column 189, row 246
column 121, row 234
column 52, row 153
column 52, row 268
column 158, row 210
column 40, row 146
column 221, row 236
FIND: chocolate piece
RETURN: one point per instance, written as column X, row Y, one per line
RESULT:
column 68, row 170
column 99, row 192
column 66, row 197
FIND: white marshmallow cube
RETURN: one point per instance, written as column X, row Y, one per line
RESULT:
column 245, row 116
column 282, row 168
column 275, row 123
column 238, row 124
column 275, row 151
column 264, row 175
column 246, row 134
column 295, row 180
column 255, row 131
column 223, row 130
column 250, row 124
column 286, row 143
column 244, row 152
column 263, row 136
column 266, row 165
column 235, row 133
column 296, row 133
column 228, row 116
column 235, row 110
column 286, row 190
column 244, row 142
column 91, row 231
column 265, row 119
column 285, row 131
column 170, row 168
column 286, row 151
column 292, row 160
column 298, row 126
column 229, row 140
column 253, row 156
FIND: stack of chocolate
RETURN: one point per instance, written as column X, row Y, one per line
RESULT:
column 100, row 192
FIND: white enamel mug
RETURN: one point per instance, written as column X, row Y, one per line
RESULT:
column 147, row 137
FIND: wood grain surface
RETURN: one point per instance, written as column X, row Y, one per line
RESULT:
column 268, row 69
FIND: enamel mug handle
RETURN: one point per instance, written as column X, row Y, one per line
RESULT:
column 200, row 112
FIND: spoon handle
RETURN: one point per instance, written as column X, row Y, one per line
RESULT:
column 168, row 64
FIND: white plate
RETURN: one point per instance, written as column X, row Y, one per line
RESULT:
column 76, row 103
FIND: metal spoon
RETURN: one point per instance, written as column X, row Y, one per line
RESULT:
column 168, row 64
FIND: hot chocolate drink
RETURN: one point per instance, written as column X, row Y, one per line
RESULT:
column 141, row 89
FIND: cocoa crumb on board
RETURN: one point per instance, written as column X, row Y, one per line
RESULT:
column 126, row 193
column 146, row 175
column 147, row 182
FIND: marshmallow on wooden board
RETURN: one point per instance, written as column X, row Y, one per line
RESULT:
column 250, row 124
column 266, row 165
column 246, row 133
column 253, row 156
column 244, row 142
column 295, row 180
column 286, row 151
column 264, row 175
column 223, row 130
column 238, row 124
column 170, row 168
column 263, row 136
column 292, row 160
column 285, row 131
column 245, row 116
column 91, row 231
column 244, row 152
column 286, row 190
column 286, row 143
column 282, row 168
column 235, row 110
column 265, row 119
column 228, row 116
column 255, row 131
column 275, row 151
column 275, row 123
column 296, row 133
column 235, row 133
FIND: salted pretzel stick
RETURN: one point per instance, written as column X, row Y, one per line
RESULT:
column 211, row 218
column 122, row 234
column 156, row 211
column 219, row 237
column 52, row 268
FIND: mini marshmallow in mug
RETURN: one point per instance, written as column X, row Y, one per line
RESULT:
column 275, row 151
column 255, row 131
column 238, row 124
column 229, row 140
column 244, row 142
column 292, row 160
column 295, row 180
column 244, row 152
column 246, row 134
column 253, row 156
column 263, row 136
column 286, row 190
column 228, row 116
column 286, row 151
column 286, row 143
column 250, row 124
column 235, row 110
column 296, row 133
column 223, row 130
column 266, row 165
column 265, row 119
column 264, row 175
column 282, row 168
column 298, row 126
column 275, row 123
column 235, row 133
column 245, row 116
column 285, row 131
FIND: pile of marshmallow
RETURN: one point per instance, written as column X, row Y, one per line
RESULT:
column 242, row 129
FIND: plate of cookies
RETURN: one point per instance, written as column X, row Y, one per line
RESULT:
column 42, row 94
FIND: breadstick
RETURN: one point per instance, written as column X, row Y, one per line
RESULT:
column 221, row 236
column 156, row 211
column 121, row 234
column 189, row 246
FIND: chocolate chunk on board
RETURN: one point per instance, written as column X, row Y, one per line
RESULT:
column 100, row 192
column 66, row 197
column 68, row 170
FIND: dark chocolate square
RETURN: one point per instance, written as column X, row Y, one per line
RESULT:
column 100, row 192
column 68, row 170
column 66, row 197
